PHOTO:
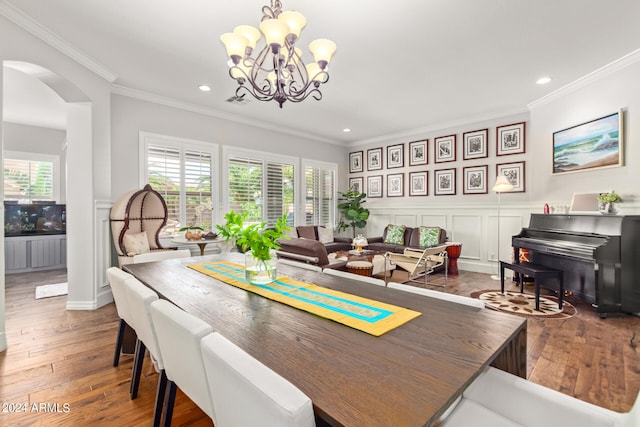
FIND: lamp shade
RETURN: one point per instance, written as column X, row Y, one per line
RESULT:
column 294, row 20
column 252, row 34
column 274, row 31
column 235, row 44
column 502, row 184
column 322, row 50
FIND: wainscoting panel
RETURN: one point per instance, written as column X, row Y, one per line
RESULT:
column 465, row 230
column 434, row 221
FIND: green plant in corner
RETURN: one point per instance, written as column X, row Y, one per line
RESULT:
column 353, row 214
column 256, row 237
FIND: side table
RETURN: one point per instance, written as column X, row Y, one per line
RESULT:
column 454, row 249
column 202, row 243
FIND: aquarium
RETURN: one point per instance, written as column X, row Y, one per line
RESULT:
column 29, row 219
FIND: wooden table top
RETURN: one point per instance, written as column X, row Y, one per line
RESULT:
column 406, row 377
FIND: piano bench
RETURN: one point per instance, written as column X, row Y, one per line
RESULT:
column 538, row 272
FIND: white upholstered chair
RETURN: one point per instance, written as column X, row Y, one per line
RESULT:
column 497, row 398
column 459, row 299
column 140, row 298
column 161, row 255
column 179, row 334
column 116, row 279
column 358, row 277
column 247, row 393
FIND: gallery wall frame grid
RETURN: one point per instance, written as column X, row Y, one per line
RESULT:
column 419, row 152
column 511, row 139
column 474, row 144
column 356, row 162
column 515, row 173
column 475, row 179
column 444, row 149
column 374, row 186
column 419, row 183
column 395, row 185
column 395, row 156
column 444, row 182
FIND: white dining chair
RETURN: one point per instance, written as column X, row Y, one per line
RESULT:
column 357, row 277
column 116, row 278
column 498, row 398
column 459, row 299
column 245, row 392
column 179, row 334
column 140, row 298
column 300, row 264
column 161, row 255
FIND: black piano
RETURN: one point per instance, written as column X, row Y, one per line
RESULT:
column 599, row 254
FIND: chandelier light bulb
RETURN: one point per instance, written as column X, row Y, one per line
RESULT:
column 235, row 45
column 294, row 20
column 322, row 50
column 274, row 32
column 252, row 34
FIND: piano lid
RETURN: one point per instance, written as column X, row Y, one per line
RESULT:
column 608, row 225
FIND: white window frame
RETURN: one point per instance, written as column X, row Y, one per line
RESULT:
column 147, row 138
column 38, row 157
column 230, row 152
column 318, row 165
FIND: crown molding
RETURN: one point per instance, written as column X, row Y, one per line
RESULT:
column 173, row 103
column 412, row 133
column 604, row 71
column 28, row 24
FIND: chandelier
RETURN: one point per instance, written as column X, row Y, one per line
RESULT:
column 277, row 72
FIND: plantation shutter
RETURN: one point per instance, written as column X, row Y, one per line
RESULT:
column 183, row 178
column 245, row 187
column 319, row 196
column 279, row 191
column 28, row 180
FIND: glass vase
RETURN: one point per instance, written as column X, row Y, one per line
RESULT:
column 608, row 208
column 258, row 271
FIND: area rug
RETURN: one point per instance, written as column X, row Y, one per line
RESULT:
column 53, row 290
column 525, row 304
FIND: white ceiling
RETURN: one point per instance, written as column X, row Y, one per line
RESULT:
column 401, row 67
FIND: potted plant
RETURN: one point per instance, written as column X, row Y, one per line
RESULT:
column 607, row 203
column 192, row 232
column 353, row 214
column 258, row 242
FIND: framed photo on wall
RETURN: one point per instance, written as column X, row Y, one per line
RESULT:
column 475, row 144
column 418, row 183
column 395, row 185
column 510, row 139
column 395, row 156
column 374, row 186
column 444, row 182
column 592, row 145
column 418, row 154
column 475, row 180
column 515, row 174
column 445, row 148
column 374, row 159
column 357, row 184
column 355, row 162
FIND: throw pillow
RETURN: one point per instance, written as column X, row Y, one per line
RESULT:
column 136, row 243
column 429, row 236
column 395, row 234
column 325, row 235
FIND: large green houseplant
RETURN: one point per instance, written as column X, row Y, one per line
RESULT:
column 353, row 214
column 258, row 242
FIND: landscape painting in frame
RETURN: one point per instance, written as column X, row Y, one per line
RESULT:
column 591, row 145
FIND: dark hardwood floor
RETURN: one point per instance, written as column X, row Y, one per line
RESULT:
column 58, row 367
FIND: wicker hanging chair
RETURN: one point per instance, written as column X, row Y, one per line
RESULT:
column 135, row 212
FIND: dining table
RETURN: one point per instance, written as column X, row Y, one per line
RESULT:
column 407, row 376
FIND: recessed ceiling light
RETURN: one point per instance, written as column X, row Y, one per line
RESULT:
column 204, row 88
column 543, row 80
column 346, row 130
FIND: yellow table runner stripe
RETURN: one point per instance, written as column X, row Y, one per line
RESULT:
column 372, row 317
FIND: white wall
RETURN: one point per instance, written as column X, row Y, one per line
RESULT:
column 473, row 219
column 34, row 139
column 130, row 116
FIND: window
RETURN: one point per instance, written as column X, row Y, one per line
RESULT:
column 261, row 185
column 29, row 177
column 320, row 193
column 181, row 171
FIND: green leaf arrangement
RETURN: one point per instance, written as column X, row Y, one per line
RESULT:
column 256, row 237
column 609, row 197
